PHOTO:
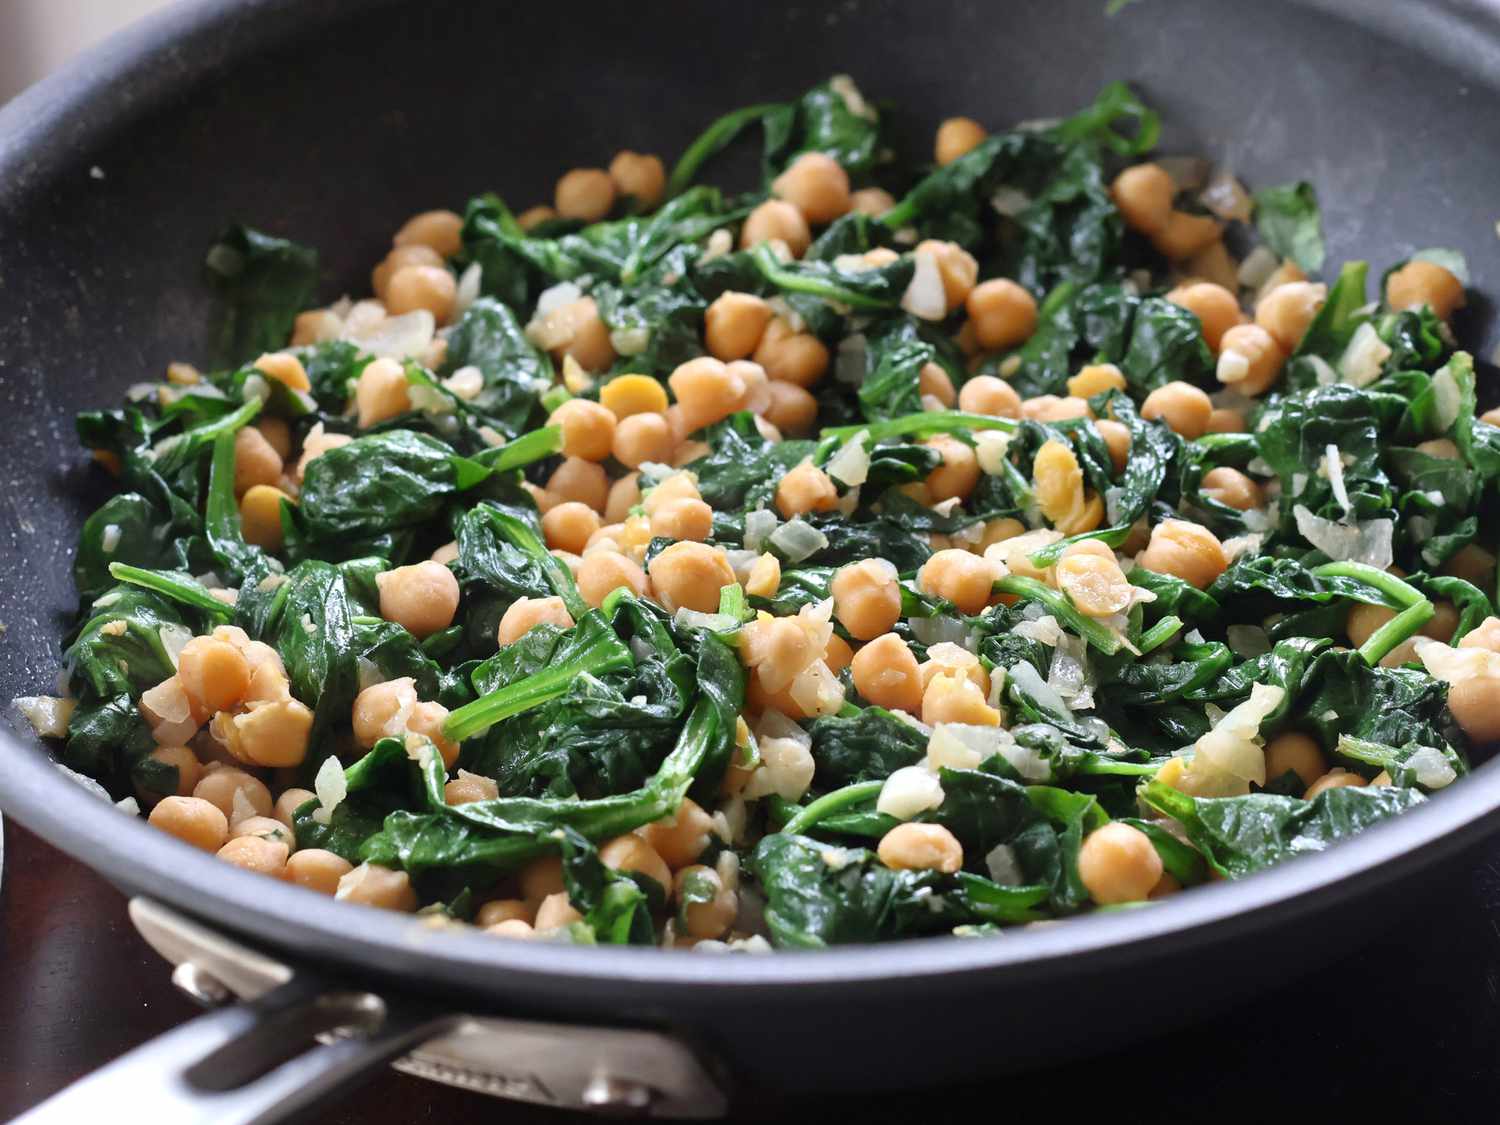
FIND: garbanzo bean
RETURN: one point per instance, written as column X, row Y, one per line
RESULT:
column 427, row 719
column 1093, row 580
column 641, row 438
column 684, row 518
column 806, row 488
column 1336, row 778
column 214, row 674
column 534, row 217
column 1363, row 620
column 1051, row 408
column 373, row 885
column 382, row 392
column 255, row 461
column 1250, row 359
column 791, row 357
column 382, row 710
column 188, row 773
column 314, row 327
column 681, row 838
column 921, row 847
column 886, row 674
column 1298, row 753
column 1095, row 379
column 525, row 614
column 1215, row 307
column 1226, row 421
column 1484, row 635
column 706, row 390
column 672, row 488
column 1182, row 406
column 602, row 572
column 192, row 820
column 468, row 788
column 1118, row 863
column 433, row 288
column 776, row 220
column 1286, row 311
column 397, row 259
column 1186, row 234
column 277, row 433
column 442, row 231
column 1232, row 487
column 630, row 853
column 958, row 472
column 588, row 429
column 271, row 732
column 625, row 395
column 1143, row 193
column 1473, row 564
column 987, row 394
column 934, row 382
column 499, row 910
column 956, row 136
column 421, row 598
column 285, row 368
column 516, row 929
column 764, row 577
column 568, row 526
column 624, row 494
column 639, row 175
column 790, row 408
column 706, row 908
column 580, row 332
column 577, row 479
column 872, row 201
column 287, row 804
column 1419, row 283
column 1473, row 704
column 964, row 579
column 1186, row 550
column 1116, row 437
column 260, row 516
column 317, row 443
column 317, row 870
column 1057, row 479
column 219, row 787
column 255, row 853
column 817, row 185
column 956, row 266
column 866, row 598
column 556, row 911
column 1004, row 314
column 956, row 699
column 690, row 575
column 734, row 324
column 584, row 193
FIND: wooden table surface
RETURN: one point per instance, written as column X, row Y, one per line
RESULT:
column 1409, row 1025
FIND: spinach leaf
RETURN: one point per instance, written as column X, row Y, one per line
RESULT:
column 489, row 337
column 1290, row 223
column 867, row 746
column 377, row 483
column 263, row 282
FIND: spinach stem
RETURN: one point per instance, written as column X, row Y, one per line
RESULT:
column 186, row 592
column 1061, row 608
column 794, row 281
column 830, row 803
column 1402, row 593
column 1405, row 624
column 925, row 422
column 1416, row 612
column 523, row 450
column 711, row 141
column 1159, row 634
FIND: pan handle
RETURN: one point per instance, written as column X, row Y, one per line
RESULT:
column 250, row 1063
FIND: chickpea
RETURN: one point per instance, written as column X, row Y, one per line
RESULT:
column 962, row 578
column 986, row 394
column 278, row 436
column 189, row 772
column 630, row 853
column 1419, row 283
column 260, row 516
column 1118, row 863
column 1473, row 564
column 421, row 598
column 624, row 494
column 1250, row 359
column 956, row 699
column 1484, row 635
column 556, row 911
column 921, row 847
column 427, row 719
column 381, row 710
column 734, row 324
column 1095, row 379
column 934, row 382
column 1298, row 753
column 540, row 878
column 315, row 327
column 525, row 614
column 817, row 185
column 1182, row 406
column 255, row 461
column 765, row 577
column 690, row 451
column 1185, row 235
column 583, row 335
column 886, row 674
column 255, row 853
column 638, row 175
column 681, row 838
column 468, row 788
column 442, row 231
column 956, row 266
column 516, row 929
column 1050, row 408
column 568, row 526
column 705, row 907
column 1116, row 437
column 958, row 473
column 1143, row 193
column 684, row 518
column 588, row 429
column 315, row 445
column 272, row 732
column 1004, row 314
column 533, row 217
column 776, row 220
column 192, row 820
column 792, row 357
column 1442, row 448
column 369, row 884
column 706, row 390
column 872, row 201
column 1286, row 311
column 674, row 487
column 1490, row 417
column 1215, row 307
column 790, row 408
column 602, row 572
column 866, row 598
column 1226, row 421
column 955, row 137
column 806, row 488
column 1093, row 580
column 577, row 479
column 317, row 870
column 268, row 679
column 690, row 574
column 1364, row 620
column 1232, row 487
column 785, row 650
column 213, row 673
column 499, row 910
column 285, row 368
column 286, row 806
column 1336, row 778
column 1185, row 550
column 584, row 193
column 382, row 392
column 625, row 395
column 1472, row 704
column 433, row 288
column 219, row 787
column 399, row 258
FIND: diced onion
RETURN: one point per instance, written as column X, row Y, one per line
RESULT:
column 851, row 464
column 1432, row 770
column 1447, row 399
column 1367, row 542
column 909, row 791
column 1257, row 267
column 759, row 526
column 925, row 297
column 958, row 746
column 397, row 337
column 1334, row 468
column 686, row 618
column 1363, row 359
column 1226, row 197
column 1003, row 866
column 47, row 714
column 555, row 297
column 331, row 786
column 1009, row 201
column 468, row 289
column 939, row 628
column 798, row 540
column 1029, row 682
column 174, row 639
column 990, row 447
column 87, row 782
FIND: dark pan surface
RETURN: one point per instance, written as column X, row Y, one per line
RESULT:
column 331, row 120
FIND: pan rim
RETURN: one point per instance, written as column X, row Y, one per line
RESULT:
column 47, row 128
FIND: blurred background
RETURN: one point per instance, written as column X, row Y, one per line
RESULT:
column 37, row 36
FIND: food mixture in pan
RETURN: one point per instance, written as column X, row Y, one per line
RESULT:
column 900, row 548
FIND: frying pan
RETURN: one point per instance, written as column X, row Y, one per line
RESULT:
column 330, row 121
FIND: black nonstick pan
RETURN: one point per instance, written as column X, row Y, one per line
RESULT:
column 330, row 121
